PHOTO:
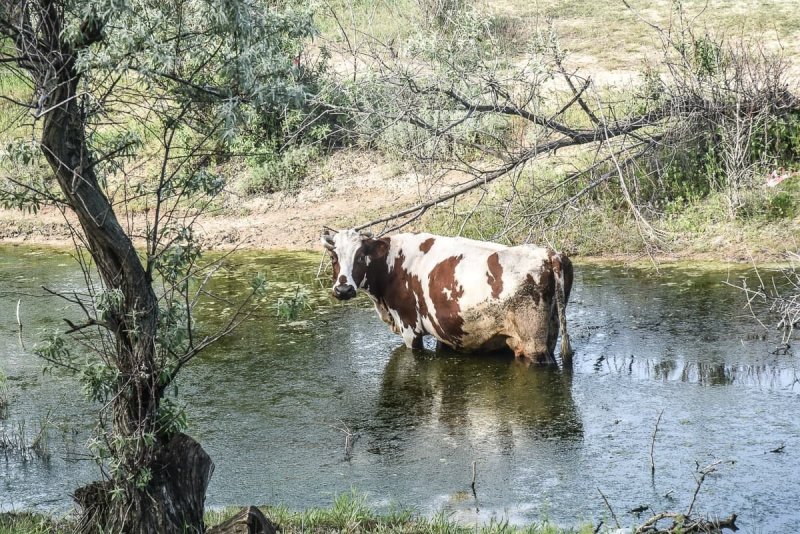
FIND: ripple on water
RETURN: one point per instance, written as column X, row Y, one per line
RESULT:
column 273, row 403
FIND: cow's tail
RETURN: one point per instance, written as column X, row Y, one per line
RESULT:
column 562, row 294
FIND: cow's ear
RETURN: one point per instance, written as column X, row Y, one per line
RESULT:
column 327, row 241
column 376, row 248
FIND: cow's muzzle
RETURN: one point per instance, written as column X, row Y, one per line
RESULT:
column 344, row 292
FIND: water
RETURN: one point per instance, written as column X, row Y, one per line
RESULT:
column 273, row 404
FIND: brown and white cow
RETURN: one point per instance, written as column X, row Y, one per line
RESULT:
column 469, row 295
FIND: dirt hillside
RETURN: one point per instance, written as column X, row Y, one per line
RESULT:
column 354, row 188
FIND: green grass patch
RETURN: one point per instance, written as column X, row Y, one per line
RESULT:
column 33, row 523
column 382, row 19
column 350, row 513
column 624, row 37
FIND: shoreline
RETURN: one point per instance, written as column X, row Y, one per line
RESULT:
column 293, row 227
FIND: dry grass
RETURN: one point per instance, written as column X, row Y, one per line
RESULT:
column 617, row 37
column 605, row 39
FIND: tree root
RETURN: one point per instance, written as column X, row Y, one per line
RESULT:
column 249, row 520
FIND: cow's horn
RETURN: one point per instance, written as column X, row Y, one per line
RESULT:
column 367, row 235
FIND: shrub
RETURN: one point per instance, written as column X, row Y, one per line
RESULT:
column 276, row 170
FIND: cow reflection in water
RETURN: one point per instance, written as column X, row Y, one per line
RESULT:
column 479, row 398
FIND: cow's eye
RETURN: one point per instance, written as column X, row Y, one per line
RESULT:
column 360, row 259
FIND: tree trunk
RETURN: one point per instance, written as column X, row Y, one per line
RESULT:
column 174, row 499
column 175, row 473
column 172, row 502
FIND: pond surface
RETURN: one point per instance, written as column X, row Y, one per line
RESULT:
column 273, row 403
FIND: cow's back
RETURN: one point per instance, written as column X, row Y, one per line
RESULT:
column 469, row 290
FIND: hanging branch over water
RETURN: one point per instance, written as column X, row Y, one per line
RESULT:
column 495, row 98
column 456, row 110
column 778, row 297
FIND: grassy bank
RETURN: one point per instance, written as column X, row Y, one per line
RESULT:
column 348, row 513
column 697, row 230
column 287, row 181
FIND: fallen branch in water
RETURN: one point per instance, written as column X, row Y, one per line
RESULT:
column 779, row 449
column 781, row 299
column 684, row 523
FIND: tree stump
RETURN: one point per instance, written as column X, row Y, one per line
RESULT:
column 172, row 502
column 249, row 520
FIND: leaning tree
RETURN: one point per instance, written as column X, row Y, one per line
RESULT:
column 128, row 103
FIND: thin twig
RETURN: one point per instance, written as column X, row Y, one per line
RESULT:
column 19, row 331
column 474, row 474
column 707, row 470
column 608, row 505
column 350, row 438
column 653, row 445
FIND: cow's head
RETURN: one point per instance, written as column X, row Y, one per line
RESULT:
column 351, row 254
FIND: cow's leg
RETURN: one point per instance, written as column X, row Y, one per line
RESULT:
column 412, row 339
column 536, row 355
column 552, row 329
column 530, row 351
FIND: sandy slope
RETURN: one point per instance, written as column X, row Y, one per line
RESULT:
column 353, row 189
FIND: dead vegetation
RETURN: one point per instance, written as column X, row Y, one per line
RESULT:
column 674, row 522
column 701, row 122
column 775, row 298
